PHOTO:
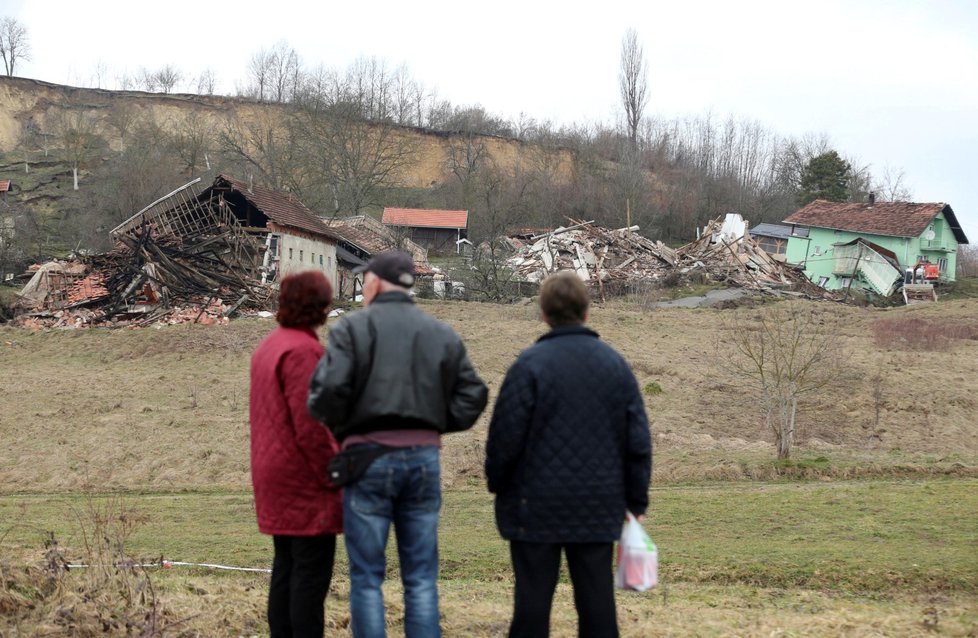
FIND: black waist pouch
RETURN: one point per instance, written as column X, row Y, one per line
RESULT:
column 349, row 465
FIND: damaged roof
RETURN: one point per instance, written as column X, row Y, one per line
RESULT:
column 282, row 208
column 896, row 219
column 426, row 218
column 779, row 231
column 362, row 239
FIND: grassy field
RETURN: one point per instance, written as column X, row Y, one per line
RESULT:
column 141, row 437
column 797, row 556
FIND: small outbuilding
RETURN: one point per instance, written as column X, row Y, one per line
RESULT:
column 437, row 230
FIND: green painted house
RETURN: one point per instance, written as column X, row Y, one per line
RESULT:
column 872, row 244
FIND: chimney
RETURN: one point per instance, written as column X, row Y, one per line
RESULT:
column 251, row 183
column 872, row 198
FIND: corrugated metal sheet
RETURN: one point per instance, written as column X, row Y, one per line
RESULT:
column 776, row 230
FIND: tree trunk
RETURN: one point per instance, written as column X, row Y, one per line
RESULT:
column 74, row 172
column 787, row 438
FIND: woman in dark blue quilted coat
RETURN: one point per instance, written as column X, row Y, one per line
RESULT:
column 569, row 451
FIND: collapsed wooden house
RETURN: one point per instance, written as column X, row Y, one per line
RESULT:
column 192, row 254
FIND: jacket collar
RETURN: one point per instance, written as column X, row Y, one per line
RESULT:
column 392, row 296
column 302, row 330
column 563, row 331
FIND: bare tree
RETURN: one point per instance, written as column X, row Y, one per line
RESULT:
column 891, row 186
column 207, row 82
column 285, row 72
column 162, row 80
column 633, row 82
column 99, row 73
column 192, row 139
column 123, row 185
column 126, row 82
column 404, row 89
column 783, row 352
column 260, row 74
column 267, row 146
column 967, row 261
column 79, row 139
column 15, row 44
column 466, row 155
column 167, row 77
column 121, row 116
column 356, row 159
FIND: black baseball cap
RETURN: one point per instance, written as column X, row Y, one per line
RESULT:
column 392, row 266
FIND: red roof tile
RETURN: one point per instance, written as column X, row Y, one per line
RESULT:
column 426, row 218
column 897, row 219
column 4, row 185
column 281, row 208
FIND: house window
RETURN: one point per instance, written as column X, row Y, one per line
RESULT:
column 320, row 260
column 822, row 281
column 290, row 254
column 818, row 251
column 846, row 282
column 312, row 257
column 301, row 257
column 942, row 264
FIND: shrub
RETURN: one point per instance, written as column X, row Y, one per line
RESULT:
column 652, row 388
column 112, row 594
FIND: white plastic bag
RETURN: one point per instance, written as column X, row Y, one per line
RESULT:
column 638, row 559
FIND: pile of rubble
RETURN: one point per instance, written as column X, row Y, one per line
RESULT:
column 136, row 284
column 177, row 261
column 595, row 253
column 724, row 253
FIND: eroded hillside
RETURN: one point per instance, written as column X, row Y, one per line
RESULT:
column 32, row 113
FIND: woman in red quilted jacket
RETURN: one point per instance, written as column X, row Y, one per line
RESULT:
column 289, row 454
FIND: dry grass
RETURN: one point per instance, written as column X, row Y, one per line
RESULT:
column 923, row 334
column 167, row 409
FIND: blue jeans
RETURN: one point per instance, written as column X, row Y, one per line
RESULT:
column 404, row 488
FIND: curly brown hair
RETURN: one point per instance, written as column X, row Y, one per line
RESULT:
column 303, row 299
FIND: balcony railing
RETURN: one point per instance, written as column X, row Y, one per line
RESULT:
column 935, row 245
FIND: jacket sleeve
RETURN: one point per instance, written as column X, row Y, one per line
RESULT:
column 315, row 443
column 331, row 387
column 638, row 451
column 468, row 397
column 510, row 424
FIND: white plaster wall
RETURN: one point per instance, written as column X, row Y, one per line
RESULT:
column 297, row 254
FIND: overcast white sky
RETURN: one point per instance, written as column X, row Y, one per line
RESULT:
column 892, row 82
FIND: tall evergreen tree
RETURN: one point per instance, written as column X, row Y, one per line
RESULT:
column 826, row 176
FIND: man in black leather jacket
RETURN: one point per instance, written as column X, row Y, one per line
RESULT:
column 569, row 451
column 395, row 378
